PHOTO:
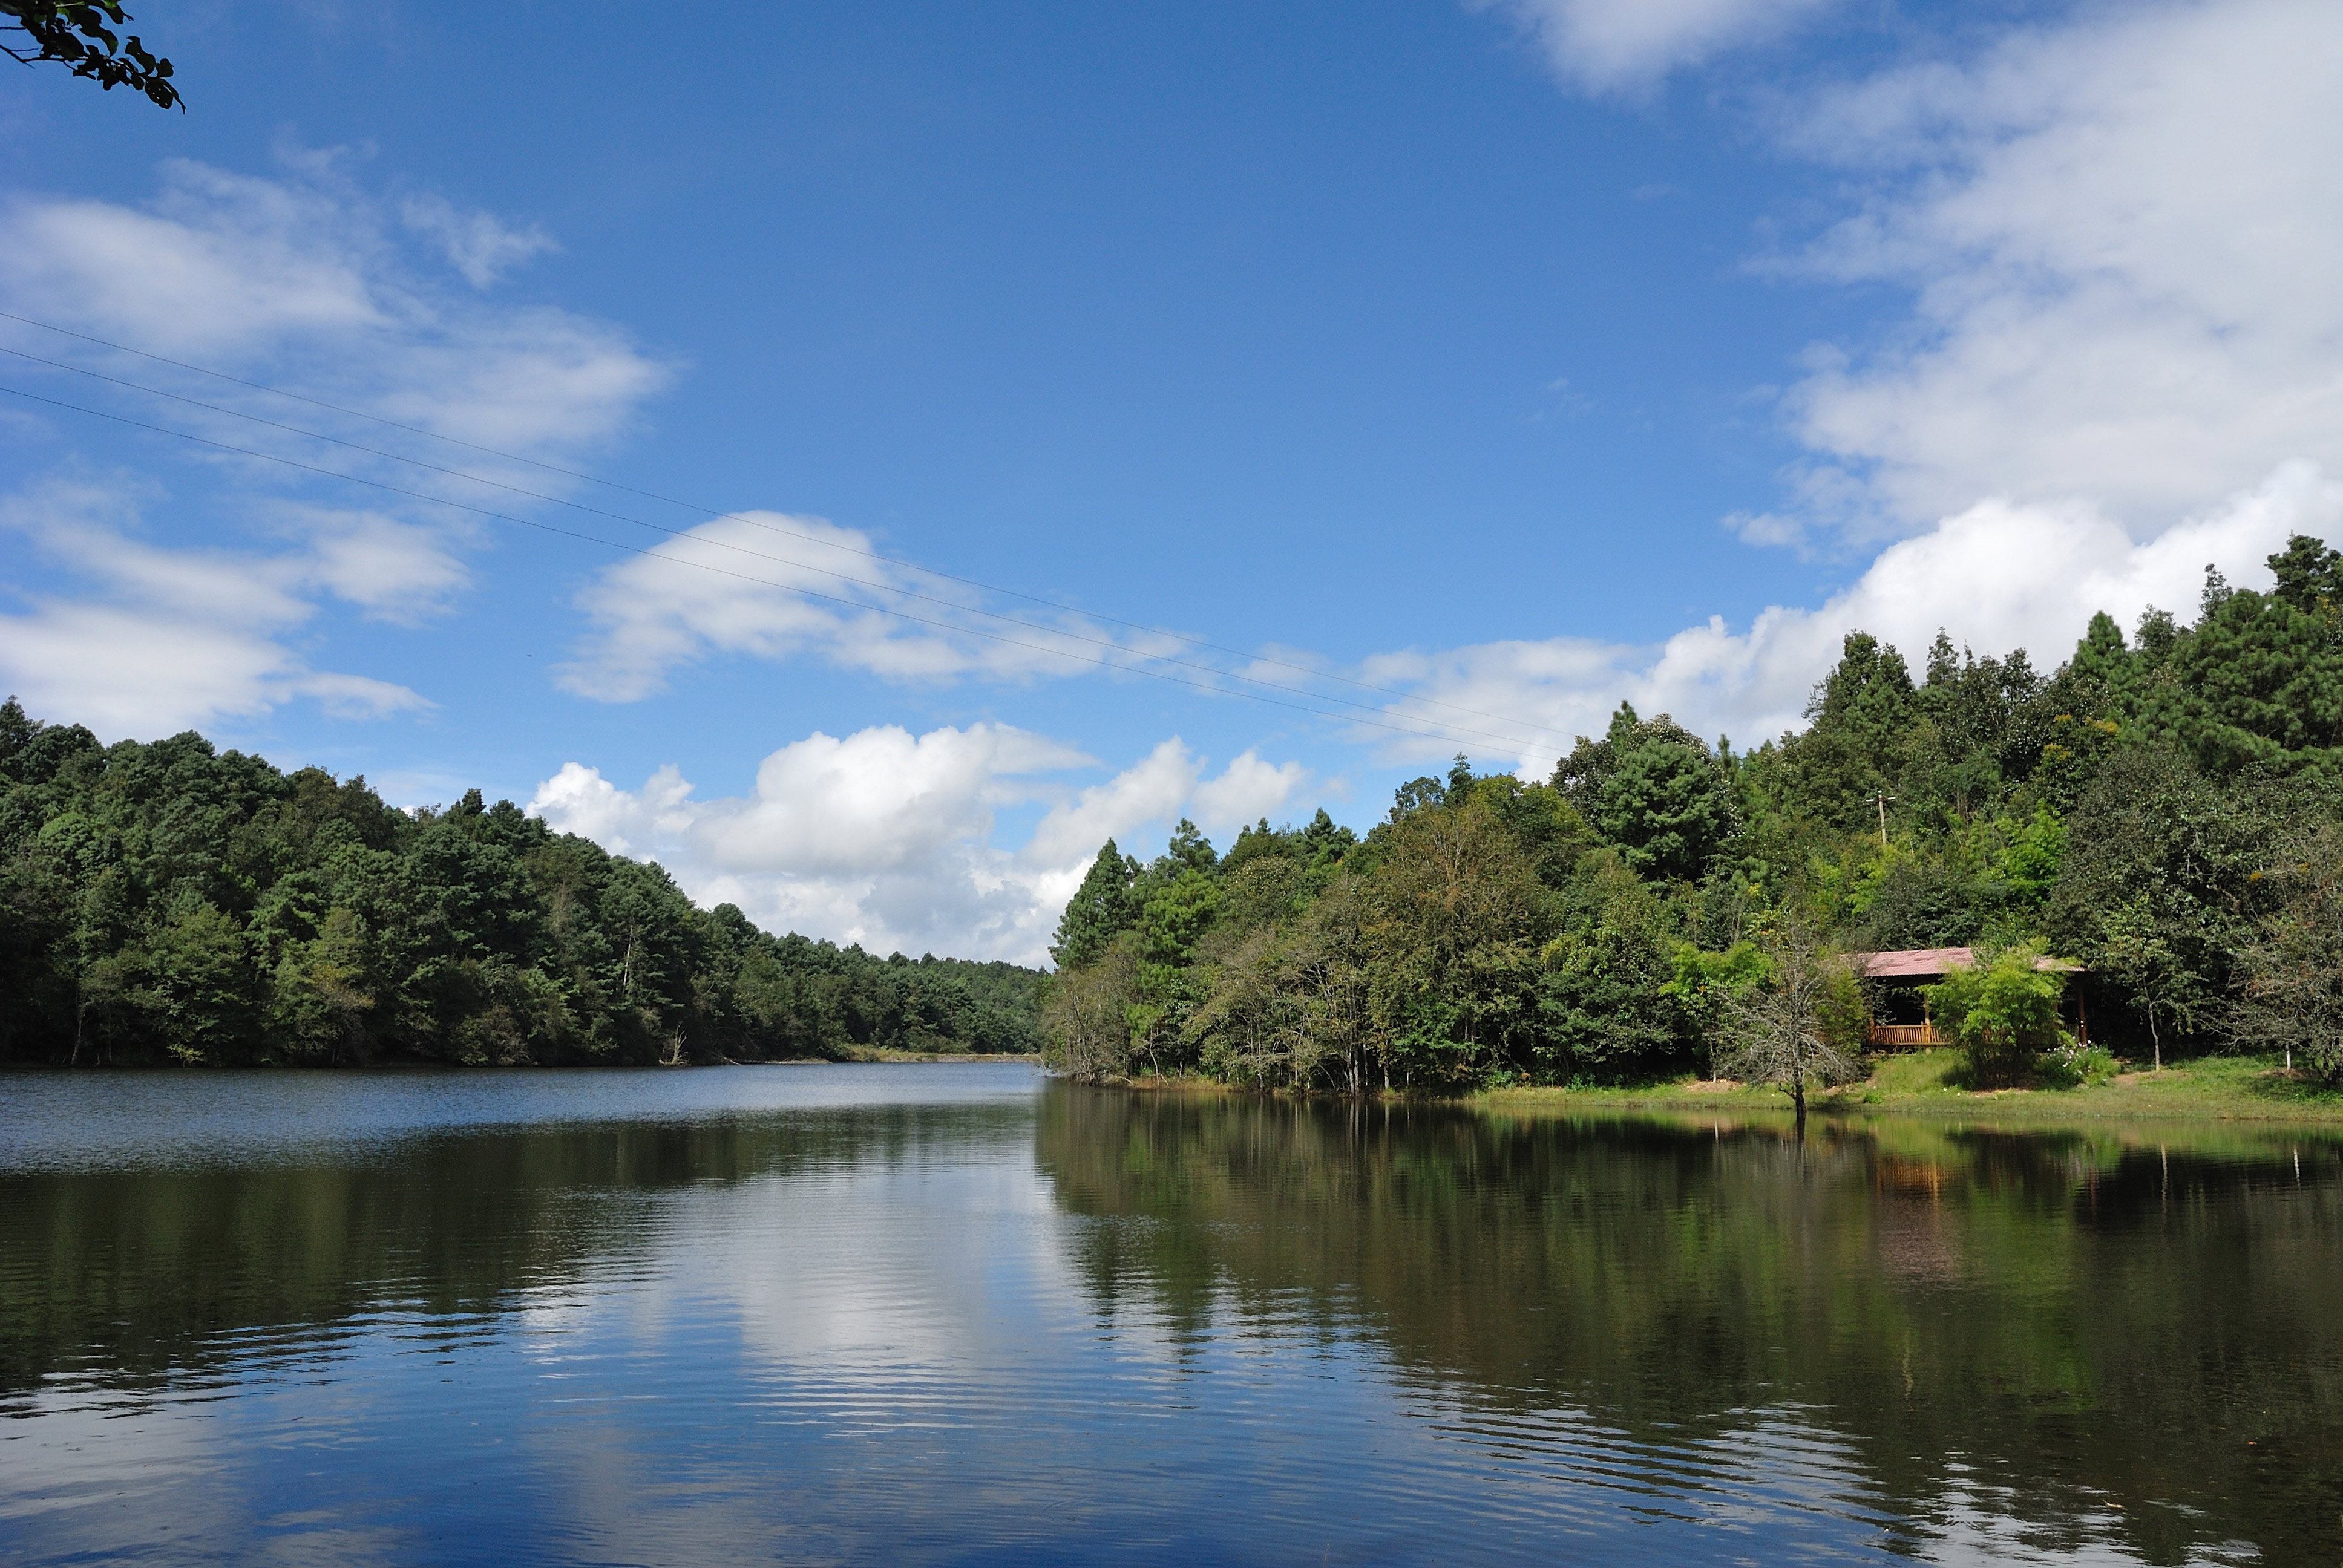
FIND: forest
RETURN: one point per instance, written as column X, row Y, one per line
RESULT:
column 2164, row 809
column 168, row 902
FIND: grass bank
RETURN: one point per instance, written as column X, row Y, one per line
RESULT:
column 1921, row 1082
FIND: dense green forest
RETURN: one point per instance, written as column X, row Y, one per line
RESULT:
column 2164, row 809
column 170, row 902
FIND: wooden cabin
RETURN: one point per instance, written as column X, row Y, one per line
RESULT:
column 1899, row 1010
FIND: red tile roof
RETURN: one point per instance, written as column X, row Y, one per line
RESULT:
column 1931, row 963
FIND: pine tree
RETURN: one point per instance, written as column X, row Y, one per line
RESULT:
column 2309, row 574
column 1104, row 906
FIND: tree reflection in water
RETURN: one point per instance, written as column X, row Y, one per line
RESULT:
column 2065, row 1324
column 130, row 1277
column 1102, row 1324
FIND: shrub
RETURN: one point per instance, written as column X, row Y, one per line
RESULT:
column 2004, row 1011
column 2075, row 1066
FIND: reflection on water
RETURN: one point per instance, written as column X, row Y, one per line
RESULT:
column 956, row 1314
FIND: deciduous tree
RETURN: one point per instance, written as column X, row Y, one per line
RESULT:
column 1791, row 1031
column 77, row 33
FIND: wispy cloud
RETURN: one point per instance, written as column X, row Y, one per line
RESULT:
column 1627, row 45
column 770, row 585
column 304, row 281
column 301, row 279
column 479, row 244
column 157, row 639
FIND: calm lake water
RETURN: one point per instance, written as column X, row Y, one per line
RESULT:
column 961, row 1314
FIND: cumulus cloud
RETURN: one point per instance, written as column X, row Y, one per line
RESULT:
column 766, row 585
column 889, row 840
column 1248, row 788
column 1997, row 575
column 2124, row 238
column 1611, row 46
column 1165, row 785
column 163, row 638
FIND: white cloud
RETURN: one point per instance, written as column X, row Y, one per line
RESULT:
column 476, row 244
column 1997, row 575
column 217, row 266
column 1608, row 45
column 301, row 282
column 401, row 572
column 880, row 800
column 535, row 380
column 653, row 614
column 172, row 638
column 888, row 839
column 2125, row 240
column 1166, row 784
column 1248, row 788
column 1148, row 792
column 306, row 282
column 2123, row 236
column 578, row 799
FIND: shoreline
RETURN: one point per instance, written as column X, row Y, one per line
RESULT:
column 1910, row 1086
column 876, row 1056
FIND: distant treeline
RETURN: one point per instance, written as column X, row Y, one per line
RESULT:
column 169, row 902
column 2164, row 809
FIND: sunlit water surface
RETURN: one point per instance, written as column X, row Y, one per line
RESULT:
column 960, row 1314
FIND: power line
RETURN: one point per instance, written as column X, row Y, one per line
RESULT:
column 1534, row 729
column 1444, row 734
column 722, row 544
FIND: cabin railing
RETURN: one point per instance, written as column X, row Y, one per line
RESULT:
column 1912, row 1036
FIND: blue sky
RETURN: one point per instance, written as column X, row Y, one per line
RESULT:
column 1480, row 365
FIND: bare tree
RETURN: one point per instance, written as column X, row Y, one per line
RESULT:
column 1793, row 1030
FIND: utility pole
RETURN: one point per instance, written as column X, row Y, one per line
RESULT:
column 1880, row 799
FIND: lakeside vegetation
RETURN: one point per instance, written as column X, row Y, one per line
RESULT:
column 2166, row 809
column 1935, row 1083
column 169, row 902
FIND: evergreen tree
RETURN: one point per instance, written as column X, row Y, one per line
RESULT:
column 2257, row 683
column 1101, row 907
column 168, row 901
column 1653, row 789
column 2121, row 810
column 2309, row 575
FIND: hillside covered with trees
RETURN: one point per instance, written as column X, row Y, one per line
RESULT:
column 170, row 902
column 2163, row 808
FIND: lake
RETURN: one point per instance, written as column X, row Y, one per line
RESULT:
column 961, row 1313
